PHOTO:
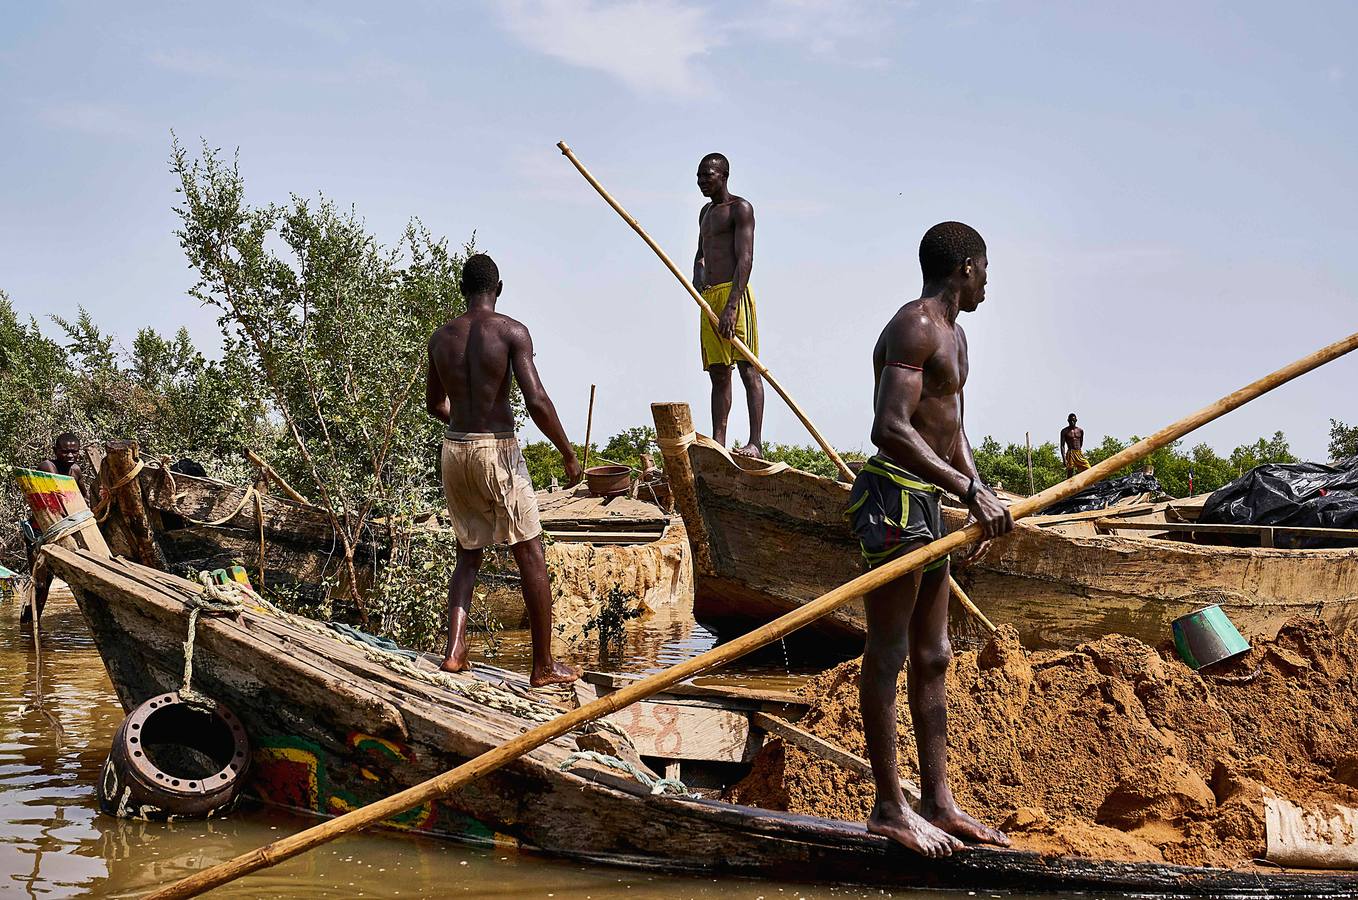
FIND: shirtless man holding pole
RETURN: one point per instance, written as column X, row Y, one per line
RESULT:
column 920, row 367
column 721, row 271
column 473, row 361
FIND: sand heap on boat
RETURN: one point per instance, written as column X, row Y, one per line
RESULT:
column 1114, row 749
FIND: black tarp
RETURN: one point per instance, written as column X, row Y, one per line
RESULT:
column 1304, row 495
column 1105, row 494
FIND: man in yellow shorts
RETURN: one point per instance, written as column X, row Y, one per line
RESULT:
column 721, row 270
column 1073, row 447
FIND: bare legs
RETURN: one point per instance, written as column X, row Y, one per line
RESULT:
column 754, row 401
column 927, row 686
column 537, row 597
column 460, row 587
column 888, row 619
column 909, row 620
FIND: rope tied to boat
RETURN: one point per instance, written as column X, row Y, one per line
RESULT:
column 658, row 786
column 104, row 507
column 232, row 596
column 64, row 527
column 213, row 600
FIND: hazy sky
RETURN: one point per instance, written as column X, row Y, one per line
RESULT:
column 1169, row 191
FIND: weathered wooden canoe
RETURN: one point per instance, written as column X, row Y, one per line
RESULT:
column 334, row 728
column 594, row 545
column 767, row 538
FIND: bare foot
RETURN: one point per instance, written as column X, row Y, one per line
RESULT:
column 957, row 823
column 558, row 674
column 914, row 833
column 455, row 664
column 752, row 450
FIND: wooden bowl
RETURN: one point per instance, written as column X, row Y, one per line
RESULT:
column 608, row 481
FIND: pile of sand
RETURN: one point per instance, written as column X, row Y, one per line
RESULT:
column 1112, row 750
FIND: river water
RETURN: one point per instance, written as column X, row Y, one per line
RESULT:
column 55, row 843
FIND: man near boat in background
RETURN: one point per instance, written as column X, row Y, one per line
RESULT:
column 63, row 461
column 920, row 367
column 721, row 270
column 1073, row 447
column 473, row 362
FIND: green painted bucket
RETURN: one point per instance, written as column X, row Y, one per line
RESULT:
column 1206, row 637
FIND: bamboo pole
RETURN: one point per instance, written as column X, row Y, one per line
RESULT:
column 441, row 785
column 589, row 427
column 969, row 606
column 845, row 472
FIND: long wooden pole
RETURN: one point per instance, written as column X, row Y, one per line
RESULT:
column 487, row 762
column 845, row 472
column 589, row 427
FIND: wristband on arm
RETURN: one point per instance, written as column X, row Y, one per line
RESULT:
column 973, row 487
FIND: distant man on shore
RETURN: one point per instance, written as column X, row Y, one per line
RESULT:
column 721, row 270
column 473, row 361
column 1073, row 447
column 920, row 367
column 63, row 461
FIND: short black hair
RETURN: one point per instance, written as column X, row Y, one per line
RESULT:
column 479, row 274
column 1072, row 416
column 946, row 247
column 64, row 437
column 725, row 163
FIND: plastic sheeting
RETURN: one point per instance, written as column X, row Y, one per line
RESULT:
column 1303, row 495
column 1106, row 493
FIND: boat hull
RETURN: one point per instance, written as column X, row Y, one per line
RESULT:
column 335, row 729
column 774, row 538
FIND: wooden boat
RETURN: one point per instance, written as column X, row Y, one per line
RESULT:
column 189, row 523
column 334, row 728
column 767, row 538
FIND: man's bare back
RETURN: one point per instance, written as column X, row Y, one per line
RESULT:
column 475, row 356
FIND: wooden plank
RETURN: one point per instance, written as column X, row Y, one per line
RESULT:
column 604, row 537
column 1161, row 525
column 718, row 692
column 1109, row 512
column 823, row 748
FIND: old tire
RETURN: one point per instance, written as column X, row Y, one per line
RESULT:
column 173, row 760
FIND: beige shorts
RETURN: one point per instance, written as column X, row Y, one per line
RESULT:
column 490, row 496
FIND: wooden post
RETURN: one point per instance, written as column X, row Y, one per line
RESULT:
column 673, row 424
column 120, row 480
column 844, row 471
column 1028, row 440
column 589, row 427
column 490, row 761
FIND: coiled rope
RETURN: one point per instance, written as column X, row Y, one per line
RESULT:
column 657, row 785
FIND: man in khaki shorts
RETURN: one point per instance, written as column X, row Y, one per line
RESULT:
column 473, row 361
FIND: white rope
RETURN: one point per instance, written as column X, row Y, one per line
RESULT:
column 684, row 441
column 657, row 785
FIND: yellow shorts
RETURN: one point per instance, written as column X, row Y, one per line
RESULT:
column 717, row 351
column 489, row 493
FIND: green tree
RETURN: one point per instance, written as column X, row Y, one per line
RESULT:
column 1343, row 440
column 331, row 326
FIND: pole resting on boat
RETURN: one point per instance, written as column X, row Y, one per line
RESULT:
column 441, row 785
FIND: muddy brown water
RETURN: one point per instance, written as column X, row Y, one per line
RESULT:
column 55, row 843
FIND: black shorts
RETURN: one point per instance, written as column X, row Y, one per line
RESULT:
column 890, row 510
